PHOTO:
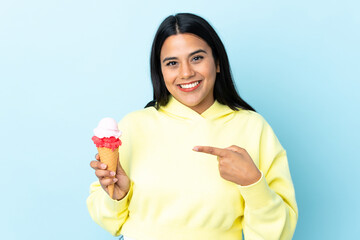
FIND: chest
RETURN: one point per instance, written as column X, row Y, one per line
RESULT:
column 163, row 162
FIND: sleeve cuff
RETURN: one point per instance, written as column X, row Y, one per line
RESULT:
column 258, row 194
column 124, row 202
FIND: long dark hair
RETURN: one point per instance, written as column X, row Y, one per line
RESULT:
column 224, row 89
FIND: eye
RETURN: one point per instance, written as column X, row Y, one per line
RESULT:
column 171, row 63
column 197, row 58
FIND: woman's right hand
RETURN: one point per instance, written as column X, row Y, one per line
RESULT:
column 120, row 179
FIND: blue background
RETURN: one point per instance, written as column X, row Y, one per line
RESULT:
column 66, row 64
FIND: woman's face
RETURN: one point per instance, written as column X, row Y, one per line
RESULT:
column 189, row 70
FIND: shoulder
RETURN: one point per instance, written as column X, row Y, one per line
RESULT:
column 251, row 118
column 259, row 124
column 139, row 116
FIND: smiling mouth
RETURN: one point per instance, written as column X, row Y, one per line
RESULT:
column 189, row 85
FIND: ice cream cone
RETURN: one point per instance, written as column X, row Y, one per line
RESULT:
column 110, row 158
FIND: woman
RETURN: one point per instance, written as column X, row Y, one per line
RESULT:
column 198, row 162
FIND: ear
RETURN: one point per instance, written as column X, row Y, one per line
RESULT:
column 217, row 67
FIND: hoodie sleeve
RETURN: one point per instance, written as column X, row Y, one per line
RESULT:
column 270, row 205
column 111, row 214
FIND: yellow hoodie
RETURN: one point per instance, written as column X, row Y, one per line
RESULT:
column 177, row 193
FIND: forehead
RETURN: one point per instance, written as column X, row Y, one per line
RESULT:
column 183, row 44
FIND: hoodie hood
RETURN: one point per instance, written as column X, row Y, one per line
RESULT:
column 177, row 109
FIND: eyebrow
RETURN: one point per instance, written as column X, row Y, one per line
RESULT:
column 193, row 53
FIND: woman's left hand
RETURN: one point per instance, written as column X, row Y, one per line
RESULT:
column 235, row 164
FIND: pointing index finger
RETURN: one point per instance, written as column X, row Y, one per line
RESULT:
column 210, row 150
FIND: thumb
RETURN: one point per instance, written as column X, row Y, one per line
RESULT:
column 235, row 148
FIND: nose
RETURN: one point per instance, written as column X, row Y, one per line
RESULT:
column 186, row 71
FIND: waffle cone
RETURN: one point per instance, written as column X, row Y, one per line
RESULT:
column 110, row 158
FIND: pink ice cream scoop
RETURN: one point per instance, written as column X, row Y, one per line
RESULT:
column 107, row 127
column 107, row 134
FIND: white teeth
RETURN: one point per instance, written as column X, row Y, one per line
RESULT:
column 191, row 85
